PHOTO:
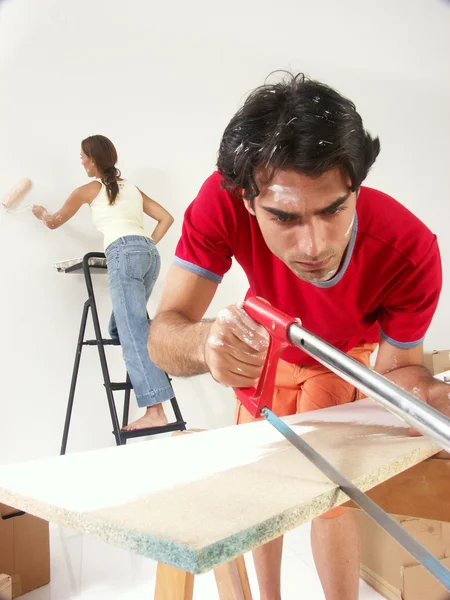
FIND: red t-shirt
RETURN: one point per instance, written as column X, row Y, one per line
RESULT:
column 389, row 282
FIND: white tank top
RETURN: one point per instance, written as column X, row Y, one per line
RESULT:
column 124, row 217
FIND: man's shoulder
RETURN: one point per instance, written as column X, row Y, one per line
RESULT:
column 374, row 198
column 215, row 201
column 389, row 223
column 214, row 187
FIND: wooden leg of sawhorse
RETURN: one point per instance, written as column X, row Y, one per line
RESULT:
column 173, row 584
column 231, row 579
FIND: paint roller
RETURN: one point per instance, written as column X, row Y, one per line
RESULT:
column 16, row 192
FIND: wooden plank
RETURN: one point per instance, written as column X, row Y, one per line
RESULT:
column 232, row 580
column 186, row 431
column 197, row 501
column 231, row 577
column 173, row 584
column 423, row 491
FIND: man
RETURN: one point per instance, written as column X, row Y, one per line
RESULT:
column 352, row 263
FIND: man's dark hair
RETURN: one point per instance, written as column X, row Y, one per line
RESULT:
column 297, row 124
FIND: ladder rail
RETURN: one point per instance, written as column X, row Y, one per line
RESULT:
column 120, row 436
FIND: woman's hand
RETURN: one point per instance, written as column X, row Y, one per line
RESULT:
column 38, row 211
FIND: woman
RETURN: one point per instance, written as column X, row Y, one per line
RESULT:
column 117, row 208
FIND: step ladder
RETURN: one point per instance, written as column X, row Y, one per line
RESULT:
column 95, row 262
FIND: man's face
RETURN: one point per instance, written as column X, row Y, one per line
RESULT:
column 306, row 222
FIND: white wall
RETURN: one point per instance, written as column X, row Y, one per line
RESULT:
column 162, row 80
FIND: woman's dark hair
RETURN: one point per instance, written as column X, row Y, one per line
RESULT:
column 297, row 124
column 103, row 153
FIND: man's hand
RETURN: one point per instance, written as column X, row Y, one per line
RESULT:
column 404, row 367
column 236, row 348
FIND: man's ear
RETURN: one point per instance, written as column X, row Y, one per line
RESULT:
column 249, row 205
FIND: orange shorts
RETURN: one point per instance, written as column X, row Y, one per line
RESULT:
column 301, row 388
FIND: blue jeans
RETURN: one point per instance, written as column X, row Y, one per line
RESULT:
column 133, row 267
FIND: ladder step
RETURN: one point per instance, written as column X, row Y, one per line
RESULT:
column 175, row 426
column 116, row 387
column 103, row 342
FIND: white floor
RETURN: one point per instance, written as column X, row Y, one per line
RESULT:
column 84, row 568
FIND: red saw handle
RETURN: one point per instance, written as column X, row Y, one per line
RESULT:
column 277, row 324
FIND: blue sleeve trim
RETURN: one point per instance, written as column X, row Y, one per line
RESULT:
column 184, row 264
column 403, row 345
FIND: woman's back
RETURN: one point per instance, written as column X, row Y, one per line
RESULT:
column 124, row 217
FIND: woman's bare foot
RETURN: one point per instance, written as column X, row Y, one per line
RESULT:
column 154, row 417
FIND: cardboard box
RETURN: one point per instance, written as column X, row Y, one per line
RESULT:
column 437, row 361
column 5, row 587
column 24, row 550
column 391, row 570
column 422, row 491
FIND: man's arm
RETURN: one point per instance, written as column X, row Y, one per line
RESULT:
column 405, row 368
column 232, row 347
column 177, row 334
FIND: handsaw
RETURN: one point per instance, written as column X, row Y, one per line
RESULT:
column 287, row 331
